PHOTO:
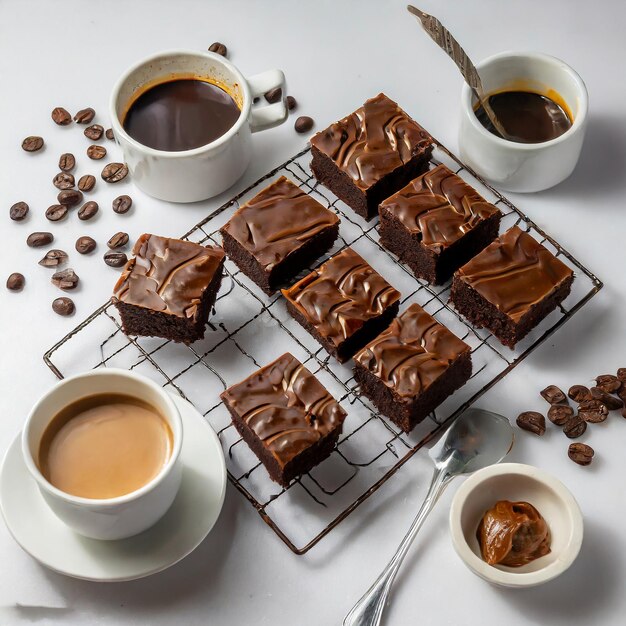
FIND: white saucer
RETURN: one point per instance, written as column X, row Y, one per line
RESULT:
column 192, row 515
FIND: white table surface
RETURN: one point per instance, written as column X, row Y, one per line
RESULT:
column 335, row 55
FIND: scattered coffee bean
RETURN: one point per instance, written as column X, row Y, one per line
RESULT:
column 303, row 124
column 218, row 48
column 70, row 197
column 61, row 117
column 122, row 204
column 108, row 133
column 86, row 182
column 96, row 152
column 115, row 259
column 579, row 393
column 93, row 132
column 559, row 413
column 32, row 143
column 291, row 103
column 580, row 453
column 56, row 212
column 84, row 116
column 611, row 402
column 65, row 279
column 593, row 411
column 114, row 172
column 63, row 306
column 15, row 282
column 39, row 239
column 621, row 374
column 553, row 395
column 574, row 427
column 18, row 211
column 88, row 210
column 53, row 258
column 67, row 162
column 624, row 413
column 118, row 240
column 608, row 383
column 532, row 422
column 85, row 245
column 274, row 95
column 63, row 180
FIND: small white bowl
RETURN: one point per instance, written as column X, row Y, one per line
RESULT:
column 517, row 482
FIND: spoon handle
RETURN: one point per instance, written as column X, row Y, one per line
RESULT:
column 369, row 609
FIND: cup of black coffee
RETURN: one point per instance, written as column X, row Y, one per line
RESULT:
column 184, row 120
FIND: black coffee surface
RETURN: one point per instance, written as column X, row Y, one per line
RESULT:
column 181, row 115
column 527, row 117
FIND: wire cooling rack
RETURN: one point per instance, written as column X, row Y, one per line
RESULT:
column 249, row 329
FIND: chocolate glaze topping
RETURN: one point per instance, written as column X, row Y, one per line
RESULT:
column 168, row 275
column 277, row 221
column 412, row 353
column 515, row 272
column 373, row 141
column 440, row 206
column 286, row 406
column 341, row 295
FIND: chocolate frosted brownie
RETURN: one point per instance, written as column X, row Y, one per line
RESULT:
column 286, row 416
column 343, row 304
column 369, row 155
column 437, row 223
column 168, row 288
column 278, row 233
column 511, row 286
column 412, row 367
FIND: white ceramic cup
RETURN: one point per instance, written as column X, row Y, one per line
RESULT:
column 518, row 166
column 204, row 172
column 111, row 518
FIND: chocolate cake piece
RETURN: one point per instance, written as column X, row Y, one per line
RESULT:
column 412, row 367
column 344, row 304
column 437, row 223
column 286, row 416
column 278, row 233
column 168, row 288
column 370, row 154
column 511, row 286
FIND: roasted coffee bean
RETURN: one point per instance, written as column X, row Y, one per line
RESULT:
column 65, row 279
column 218, row 48
column 115, row 259
column 93, row 132
column 574, row 427
column 114, row 172
column 122, row 204
column 303, row 124
column 86, row 182
column 274, row 95
column 291, row 103
column 579, row 393
column 56, row 212
column 32, row 143
column 53, row 258
column 39, row 239
column 608, row 383
column 18, row 211
column 118, row 240
column 70, row 197
column 63, row 306
column 84, row 116
column 611, row 402
column 85, row 245
column 96, row 152
column 580, row 453
column 593, row 411
column 559, row 413
column 61, row 117
column 621, row 374
column 88, row 210
column 553, row 395
column 67, row 162
column 108, row 133
column 63, row 180
column 15, row 282
column 532, row 422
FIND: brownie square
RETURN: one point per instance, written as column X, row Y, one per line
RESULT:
column 278, row 233
column 370, row 154
column 168, row 288
column 344, row 304
column 510, row 286
column 412, row 367
column 437, row 223
column 286, row 416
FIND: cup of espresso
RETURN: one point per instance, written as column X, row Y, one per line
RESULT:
column 184, row 121
column 104, row 449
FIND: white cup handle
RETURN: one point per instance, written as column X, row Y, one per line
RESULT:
column 262, row 118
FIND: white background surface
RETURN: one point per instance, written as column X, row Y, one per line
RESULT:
column 335, row 55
